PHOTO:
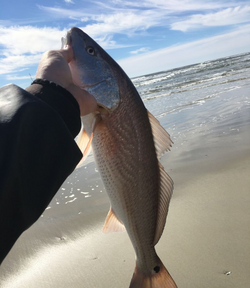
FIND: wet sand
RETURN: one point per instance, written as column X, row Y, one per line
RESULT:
column 205, row 243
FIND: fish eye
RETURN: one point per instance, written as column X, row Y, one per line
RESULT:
column 91, row 50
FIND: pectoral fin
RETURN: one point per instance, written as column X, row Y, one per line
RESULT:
column 112, row 224
column 84, row 144
column 84, row 140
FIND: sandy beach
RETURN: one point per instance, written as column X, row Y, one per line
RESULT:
column 205, row 243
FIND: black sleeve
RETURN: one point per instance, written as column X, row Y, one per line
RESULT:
column 37, row 153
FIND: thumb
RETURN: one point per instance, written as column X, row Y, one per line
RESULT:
column 67, row 53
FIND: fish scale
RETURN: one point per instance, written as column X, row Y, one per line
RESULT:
column 136, row 161
column 127, row 171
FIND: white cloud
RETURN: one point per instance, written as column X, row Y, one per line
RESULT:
column 18, row 40
column 173, row 6
column 23, row 46
column 122, row 23
column 62, row 12
column 227, row 44
column 104, row 24
column 129, row 17
column 229, row 16
column 69, row 1
column 125, row 21
column 16, row 63
column 140, row 50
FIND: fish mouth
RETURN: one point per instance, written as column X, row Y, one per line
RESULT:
column 67, row 40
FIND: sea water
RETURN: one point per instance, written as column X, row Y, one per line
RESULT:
column 170, row 94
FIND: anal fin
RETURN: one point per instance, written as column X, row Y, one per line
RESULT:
column 112, row 224
column 165, row 194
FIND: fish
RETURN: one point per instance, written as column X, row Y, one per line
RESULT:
column 127, row 143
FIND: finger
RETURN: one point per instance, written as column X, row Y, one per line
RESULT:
column 54, row 67
column 67, row 53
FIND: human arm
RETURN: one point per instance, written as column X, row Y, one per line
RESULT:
column 37, row 147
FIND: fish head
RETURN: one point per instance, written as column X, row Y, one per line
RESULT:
column 92, row 69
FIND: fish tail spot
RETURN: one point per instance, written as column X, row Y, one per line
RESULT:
column 157, row 269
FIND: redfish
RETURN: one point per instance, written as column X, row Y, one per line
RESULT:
column 127, row 143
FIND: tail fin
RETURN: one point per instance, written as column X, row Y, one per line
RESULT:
column 158, row 279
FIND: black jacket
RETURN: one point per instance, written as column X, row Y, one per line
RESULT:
column 37, row 153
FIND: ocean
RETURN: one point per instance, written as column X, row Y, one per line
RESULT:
column 197, row 97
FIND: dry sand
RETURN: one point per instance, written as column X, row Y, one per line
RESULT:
column 205, row 244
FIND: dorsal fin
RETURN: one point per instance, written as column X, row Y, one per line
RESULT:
column 165, row 193
column 112, row 224
column 161, row 137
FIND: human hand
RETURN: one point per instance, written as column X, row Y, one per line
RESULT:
column 54, row 67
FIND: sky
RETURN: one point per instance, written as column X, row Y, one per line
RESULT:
column 143, row 36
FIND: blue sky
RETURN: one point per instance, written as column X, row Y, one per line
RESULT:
column 143, row 36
